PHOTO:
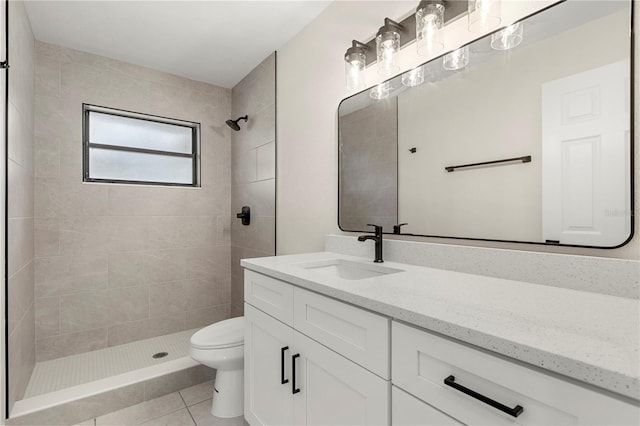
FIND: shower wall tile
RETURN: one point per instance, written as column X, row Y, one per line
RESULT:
column 47, row 316
column 20, row 204
column 118, row 263
column 266, row 161
column 69, row 344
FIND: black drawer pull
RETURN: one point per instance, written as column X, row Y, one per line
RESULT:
column 282, row 379
column 515, row 411
column 294, row 390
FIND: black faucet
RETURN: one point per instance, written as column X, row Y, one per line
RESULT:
column 378, row 239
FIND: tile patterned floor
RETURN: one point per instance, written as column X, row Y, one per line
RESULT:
column 189, row 407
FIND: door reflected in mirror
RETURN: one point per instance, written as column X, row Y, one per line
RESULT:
column 530, row 143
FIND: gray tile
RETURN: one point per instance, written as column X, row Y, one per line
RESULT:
column 202, row 317
column 173, row 382
column 266, row 161
column 47, row 237
column 167, row 325
column 197, row 393
column 202, row 415
column 126, row 269
column 20, row 293
column 128, row 332
column 143, row 412
column 168, row 298
column 70, row 344
column 85, row 408
column 60, row 275
column 164, row 265
column 177, row 418
column 83, row 311
column 47, row 316
column 20, row 237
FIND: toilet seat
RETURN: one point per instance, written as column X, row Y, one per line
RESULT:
column 223, row 334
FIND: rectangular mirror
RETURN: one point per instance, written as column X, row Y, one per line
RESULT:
column 527, row 144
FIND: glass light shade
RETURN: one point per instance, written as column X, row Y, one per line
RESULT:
column 354, row 70
column 508, row 38
column 429, row 29
column 415, row 77
column 387, row 48
column 483, row 15
column 381, row 91
column 456, row 60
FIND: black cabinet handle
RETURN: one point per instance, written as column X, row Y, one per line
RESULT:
column 294, row 390
column 282, row 379
column 515, row 411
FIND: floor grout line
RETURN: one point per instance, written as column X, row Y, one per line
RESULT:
column 187, row 407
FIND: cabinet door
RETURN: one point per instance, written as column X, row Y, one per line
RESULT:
column 409, row 410
column 266, row 400
column 334, row 390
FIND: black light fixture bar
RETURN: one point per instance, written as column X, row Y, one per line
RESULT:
column 524, row 159
column 453, row 9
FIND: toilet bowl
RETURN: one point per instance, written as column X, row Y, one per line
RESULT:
column 221, row 346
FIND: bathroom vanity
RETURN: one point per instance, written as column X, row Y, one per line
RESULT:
column 336, row 339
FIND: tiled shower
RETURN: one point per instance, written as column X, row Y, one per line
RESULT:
column 93, row 265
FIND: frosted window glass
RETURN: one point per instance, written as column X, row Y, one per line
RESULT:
column 110, row 129
column 133, row 166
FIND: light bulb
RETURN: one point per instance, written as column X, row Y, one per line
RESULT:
column 381, row 91
column 388, row 47
column 483, row 15
column 508, row 38
column 355, row 62
column 415, row 77
column 429, row 28
column 456, row 60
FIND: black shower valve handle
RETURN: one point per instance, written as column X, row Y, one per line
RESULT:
column 245, row 215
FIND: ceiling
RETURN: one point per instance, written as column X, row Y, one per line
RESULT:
column 218, row 42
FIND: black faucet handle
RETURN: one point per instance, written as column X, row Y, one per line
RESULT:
column 397, row 228
column 377, row 228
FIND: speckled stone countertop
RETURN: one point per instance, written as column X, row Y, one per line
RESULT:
column 589, row 337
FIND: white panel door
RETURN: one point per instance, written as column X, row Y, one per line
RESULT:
column 334, row 390
column 585, row 157
column 267, row 401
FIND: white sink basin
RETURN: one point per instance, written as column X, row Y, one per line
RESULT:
column 347, row 269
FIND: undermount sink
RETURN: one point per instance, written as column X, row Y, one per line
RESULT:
column 347, row 269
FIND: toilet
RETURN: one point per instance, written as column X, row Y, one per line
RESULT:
column 221, row 346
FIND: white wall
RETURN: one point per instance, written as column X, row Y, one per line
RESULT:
column 310, row 86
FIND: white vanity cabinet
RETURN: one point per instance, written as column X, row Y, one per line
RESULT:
column 304, row 377
column 475, row 387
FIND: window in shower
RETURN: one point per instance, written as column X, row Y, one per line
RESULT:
column 133, row 148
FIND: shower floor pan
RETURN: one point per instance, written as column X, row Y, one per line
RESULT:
column 63, row 380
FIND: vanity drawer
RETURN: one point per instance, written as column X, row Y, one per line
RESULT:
column 359, row 335
column 270, row 295
column 421, row 361
column 408, row 410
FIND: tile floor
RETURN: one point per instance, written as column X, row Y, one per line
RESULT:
column 188, row 407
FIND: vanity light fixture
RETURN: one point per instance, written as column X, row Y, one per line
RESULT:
column 508, row 38
column 381, row 91
column 456, row 60
column 387, row 47
column 355, row 60
column 414, row 77
column 483, row 15
column 430, row 27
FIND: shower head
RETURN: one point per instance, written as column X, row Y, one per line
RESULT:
column 234, row 123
